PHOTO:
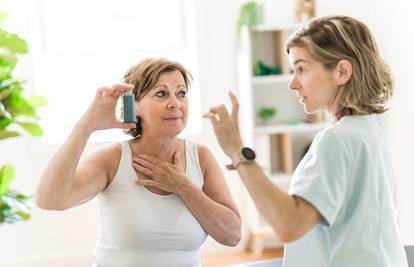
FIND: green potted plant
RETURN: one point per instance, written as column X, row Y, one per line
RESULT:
column 251, row 14
column 266, row 113
column 17, row 115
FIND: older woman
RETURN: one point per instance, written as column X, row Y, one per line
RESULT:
column 159, row 195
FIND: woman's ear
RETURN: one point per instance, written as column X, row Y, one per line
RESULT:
column 343, row 72
column 138, row 128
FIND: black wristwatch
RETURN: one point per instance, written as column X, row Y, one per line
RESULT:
column 245, row 156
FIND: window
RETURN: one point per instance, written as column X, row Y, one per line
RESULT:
column 79, row 46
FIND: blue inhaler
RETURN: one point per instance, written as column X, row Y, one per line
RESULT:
column 129, row 107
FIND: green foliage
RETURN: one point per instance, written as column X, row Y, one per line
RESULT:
column 250, row 15
column 15, row 110
column 261, row 69
column 14, row 207
column 266, row 113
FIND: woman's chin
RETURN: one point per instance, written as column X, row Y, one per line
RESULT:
column 173, row 130
column 310, row 109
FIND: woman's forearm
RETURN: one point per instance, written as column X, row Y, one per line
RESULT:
column 285, row 213
column 58, row 177
column 219, row 221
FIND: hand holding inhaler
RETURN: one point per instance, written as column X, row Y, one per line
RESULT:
column 101, row 114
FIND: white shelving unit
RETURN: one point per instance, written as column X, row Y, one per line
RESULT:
column 281, row 142
column 271, row 79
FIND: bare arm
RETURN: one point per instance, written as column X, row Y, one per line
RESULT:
column 65, row 182
column 214, row 208
column 291, row 217
column 56, row 187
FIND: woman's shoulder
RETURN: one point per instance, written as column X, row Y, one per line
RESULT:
column 205, row 156
column 341, row 137
column 200, row 148
column 355, row 129
column 110, row 150
column 109, row 157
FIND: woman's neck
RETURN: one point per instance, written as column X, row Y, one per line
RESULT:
column 334, row 106
column 160, row 147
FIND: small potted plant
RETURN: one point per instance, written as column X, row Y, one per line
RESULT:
column 266, row 113
column 251, row 14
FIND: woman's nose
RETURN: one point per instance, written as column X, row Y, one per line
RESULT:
column 293, row 84
column 173, row 102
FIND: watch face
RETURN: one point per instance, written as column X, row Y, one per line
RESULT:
column 248, row 153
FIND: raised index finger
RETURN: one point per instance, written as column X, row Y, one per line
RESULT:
column 235, row 108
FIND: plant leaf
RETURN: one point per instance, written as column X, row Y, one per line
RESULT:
column 32, row 128
column 6, row 177
column 4, row 122
column 7, row 59
column 17, row 105
column 250, row 15
column 12, row 42
column 3, row 206
column 7, row 83
column 37, row 101
column 4, row 134
column 23, row 215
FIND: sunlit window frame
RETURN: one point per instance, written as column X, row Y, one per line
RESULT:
column 189, row 46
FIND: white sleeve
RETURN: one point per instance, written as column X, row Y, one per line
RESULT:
column 322, row 176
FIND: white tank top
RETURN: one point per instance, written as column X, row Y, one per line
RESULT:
column 141, row 228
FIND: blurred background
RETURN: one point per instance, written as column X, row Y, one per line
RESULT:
column 76, row 46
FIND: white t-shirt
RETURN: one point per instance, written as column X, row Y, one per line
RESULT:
column 347, row 176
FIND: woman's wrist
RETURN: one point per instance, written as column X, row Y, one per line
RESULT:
column 185, row 188
column 85, row 127
column 235, row 150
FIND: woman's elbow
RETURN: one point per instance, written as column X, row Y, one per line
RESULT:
column 232, row 240
column 287, row 235
column 284, row 239
column 45, row 203
column 235, row 241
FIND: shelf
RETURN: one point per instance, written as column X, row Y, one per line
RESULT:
column 281, row 144
column 286, row 128
column 271, row 79
column 277, row 27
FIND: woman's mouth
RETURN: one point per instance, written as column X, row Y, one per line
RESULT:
column 172, row 118
column 302, row 99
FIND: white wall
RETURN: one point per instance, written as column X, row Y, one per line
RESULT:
column 56, row 234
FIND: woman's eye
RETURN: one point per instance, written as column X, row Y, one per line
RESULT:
column 182, row 93
column 160, row 93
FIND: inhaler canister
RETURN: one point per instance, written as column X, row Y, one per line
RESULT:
column 129, row 107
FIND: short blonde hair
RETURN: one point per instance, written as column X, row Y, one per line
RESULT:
column 145, row 75
column 331, row 39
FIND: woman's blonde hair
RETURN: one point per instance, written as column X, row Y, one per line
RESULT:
column 331, row 39
column 145, row 75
